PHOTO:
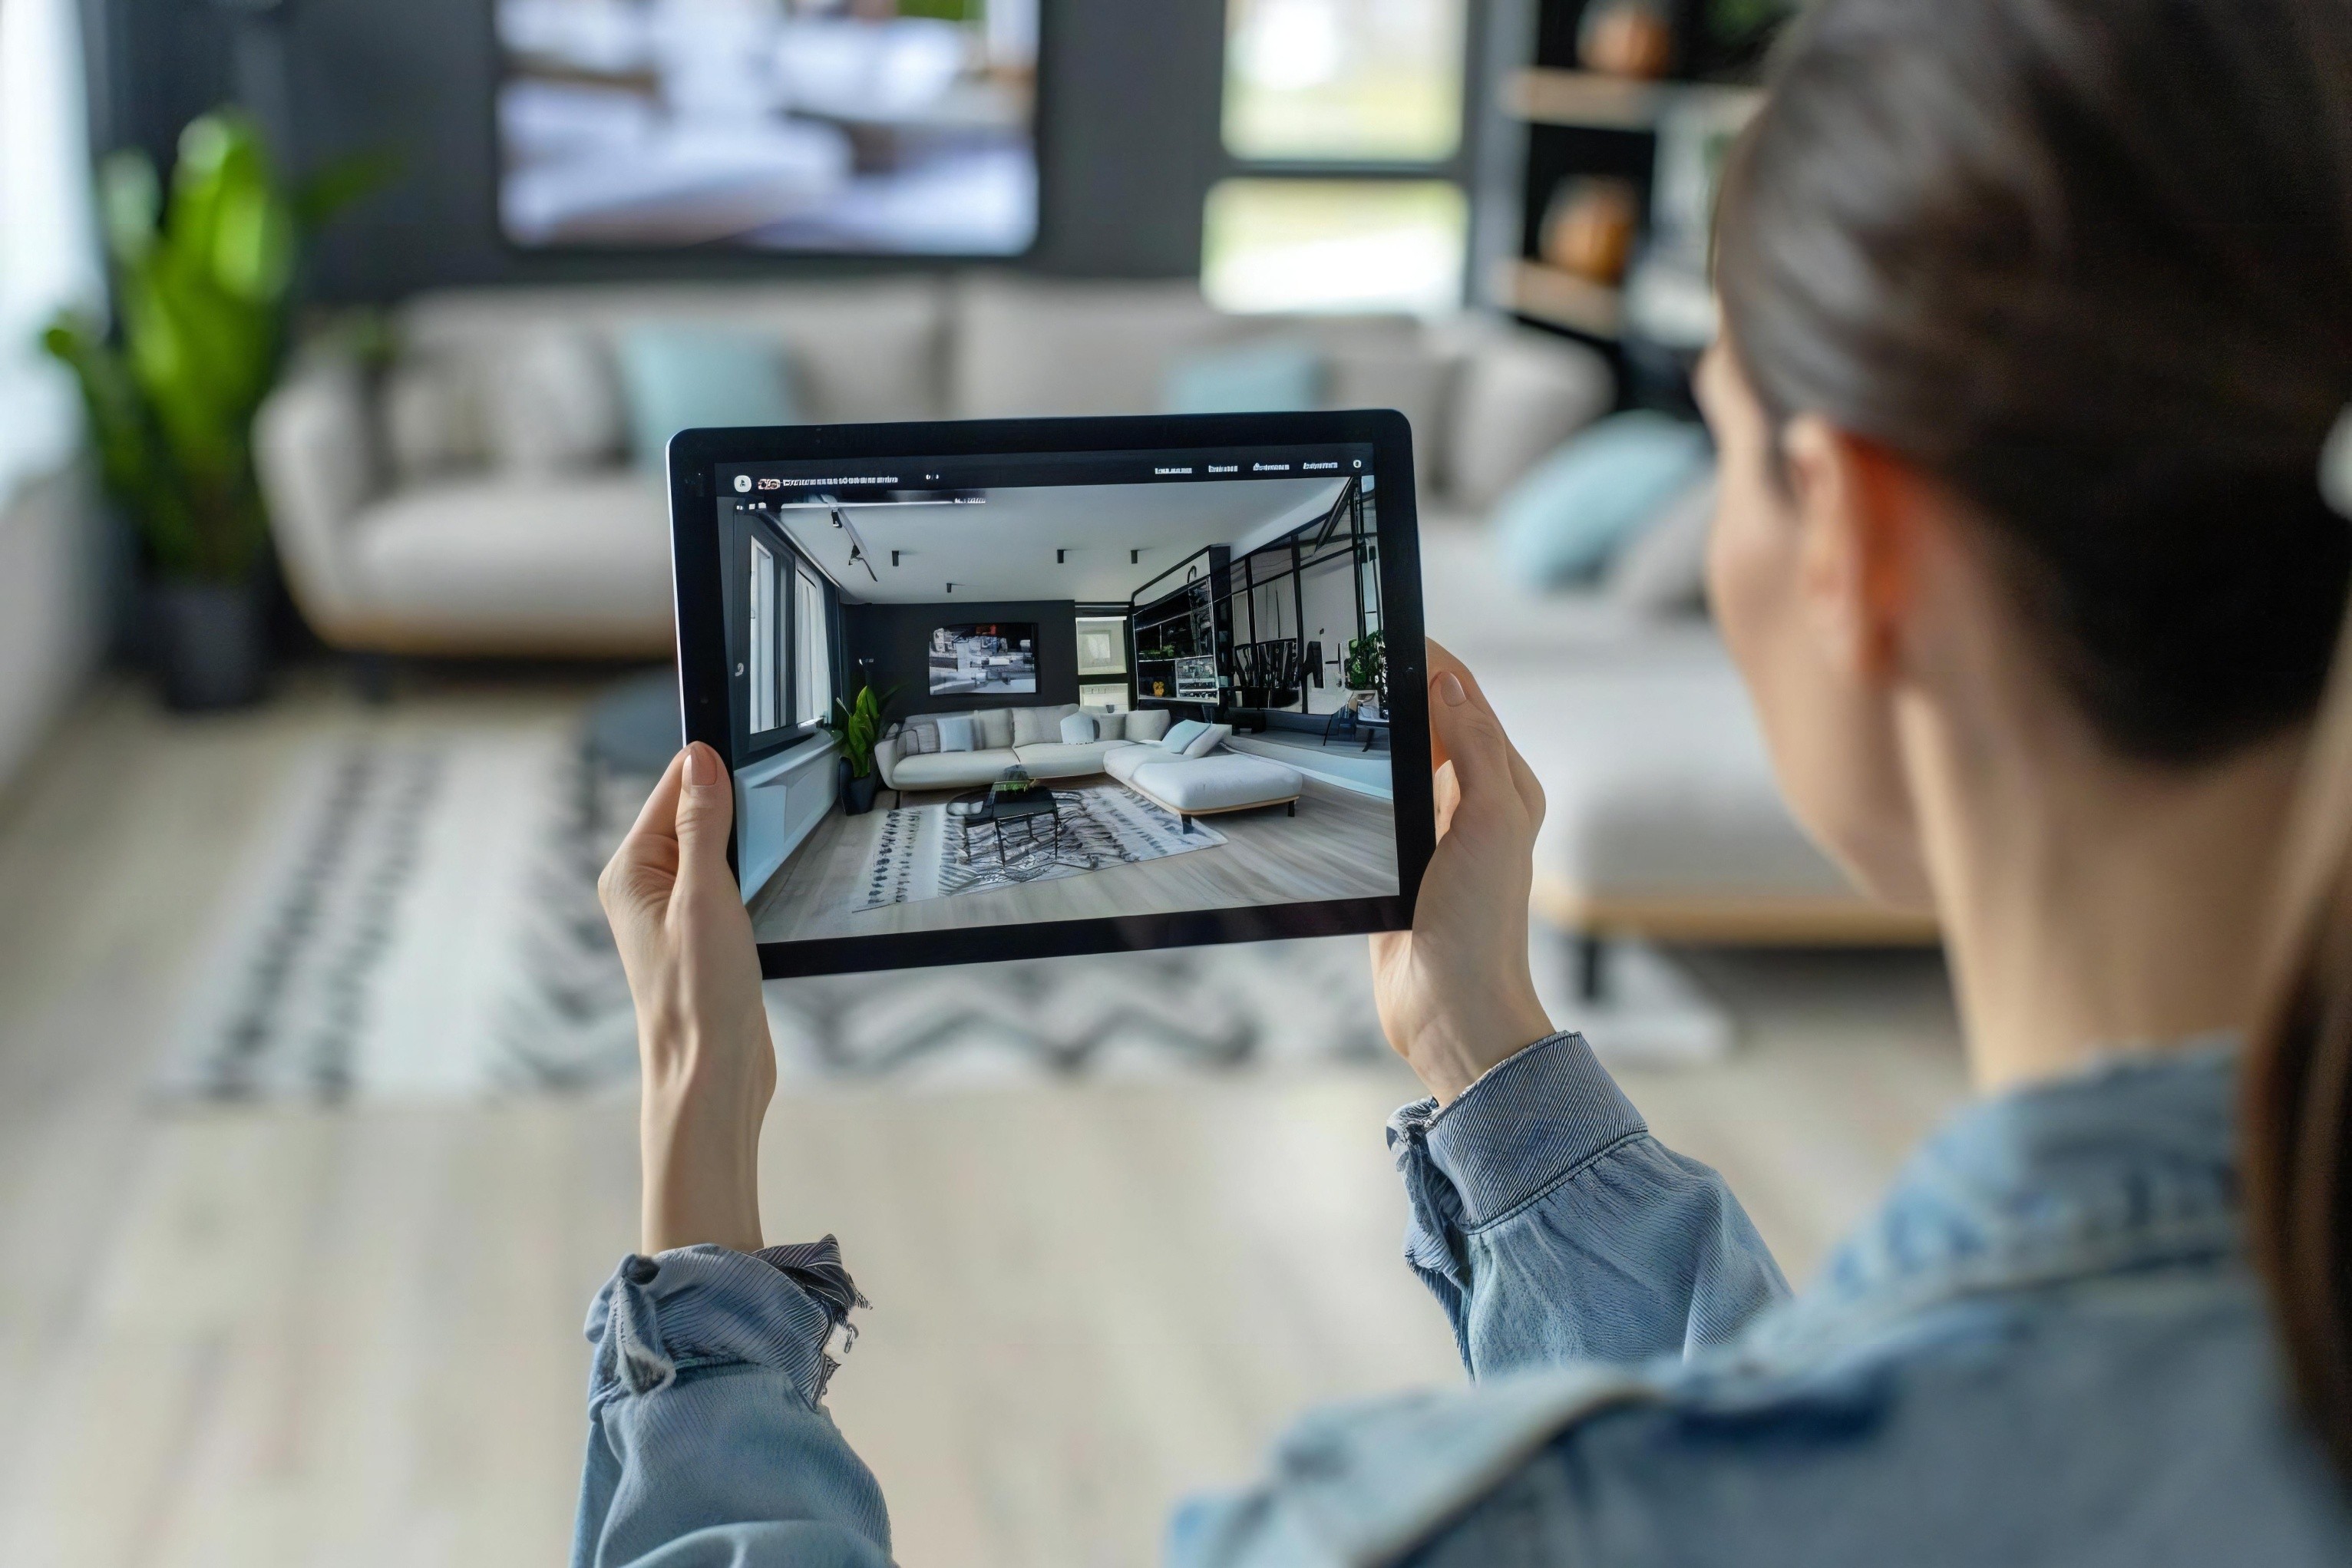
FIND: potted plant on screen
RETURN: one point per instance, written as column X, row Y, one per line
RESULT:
column 203, row 285
column 1365, row 670
column 857, row 726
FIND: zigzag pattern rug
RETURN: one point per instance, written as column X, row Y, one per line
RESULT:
column 924, row 853
column 419, row 921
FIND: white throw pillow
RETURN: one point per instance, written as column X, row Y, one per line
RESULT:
column 1662, row 570
column 1183, row 735
column 429, row 423
column 1212, row 736
column 1078, row 730
column 919, row 740
column 554, row 403
column 956, row 733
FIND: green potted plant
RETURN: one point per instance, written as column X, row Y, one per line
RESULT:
column 1365, row 669
column 203, row 287
column 856, row 724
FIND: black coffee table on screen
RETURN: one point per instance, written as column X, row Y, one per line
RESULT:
column 986, row 808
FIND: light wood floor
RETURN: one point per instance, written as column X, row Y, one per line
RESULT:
column 266, row 1337
column 1341, row 844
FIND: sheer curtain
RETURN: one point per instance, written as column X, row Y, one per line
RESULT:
column 49, row 241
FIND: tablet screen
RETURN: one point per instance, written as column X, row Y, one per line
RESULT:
column 1098, row 684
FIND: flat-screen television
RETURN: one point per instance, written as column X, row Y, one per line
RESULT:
column 865, row 127
column 998, row 659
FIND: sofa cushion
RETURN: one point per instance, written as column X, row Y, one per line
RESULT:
column 1562, row 523
column 1278, row 375
column 554, row 403
column 1109, row 725
column 995, row 727
column 1081, row 728
column 431, row 417
column 1522, row 393
column 1222, row 783
column 1026, row 347
column 1662, row 570
column 1207, row 740
column 1147, row 724
column 516, row 563
column 679, row 377
column 919, row 739
column 868, row 350
column 1183, row 736
column 1039, row 726
column 956, row 733
column 952, row 770
column 1058, row 760
column 1416, row 378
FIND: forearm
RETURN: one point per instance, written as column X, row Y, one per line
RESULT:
column 1553, row 1228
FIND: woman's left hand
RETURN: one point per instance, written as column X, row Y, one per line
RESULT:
column 702, row 1033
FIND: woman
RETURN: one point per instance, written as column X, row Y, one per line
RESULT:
column 2038, row 317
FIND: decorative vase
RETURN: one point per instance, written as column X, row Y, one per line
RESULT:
column 1589, row 229
column 1631, row 39
column 208, row 644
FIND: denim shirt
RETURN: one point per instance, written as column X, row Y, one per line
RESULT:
column 2045, row 1347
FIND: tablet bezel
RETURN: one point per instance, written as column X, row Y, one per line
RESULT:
column 696, row 584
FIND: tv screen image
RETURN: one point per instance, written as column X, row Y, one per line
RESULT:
column 871, row 127
column 995, row 660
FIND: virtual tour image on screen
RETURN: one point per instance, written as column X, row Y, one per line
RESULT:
column 873, row 127
column 1108, row 684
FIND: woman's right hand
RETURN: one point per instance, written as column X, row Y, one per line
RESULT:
column 1455, row 995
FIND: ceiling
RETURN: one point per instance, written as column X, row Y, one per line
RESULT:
column 1004, row 547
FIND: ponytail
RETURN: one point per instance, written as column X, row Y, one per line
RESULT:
column 2296, row 1118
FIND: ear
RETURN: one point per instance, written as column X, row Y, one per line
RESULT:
column 1857, row 512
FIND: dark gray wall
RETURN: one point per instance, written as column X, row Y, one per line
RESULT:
column 897, row 638
column 1128, row 120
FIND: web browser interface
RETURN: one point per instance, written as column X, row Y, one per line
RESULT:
column 981, row 691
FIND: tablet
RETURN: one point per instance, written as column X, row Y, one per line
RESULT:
column 1000, row 689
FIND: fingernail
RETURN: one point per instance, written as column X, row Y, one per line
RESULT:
column 702, row 764
column 1449, row 690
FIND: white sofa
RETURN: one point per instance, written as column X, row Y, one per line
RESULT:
column 475, row 495
column 1188, row 786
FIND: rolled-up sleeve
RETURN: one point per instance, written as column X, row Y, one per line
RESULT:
column 1552, row 1228
column 706, row 1439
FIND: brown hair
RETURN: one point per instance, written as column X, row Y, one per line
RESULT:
column 2090, row 262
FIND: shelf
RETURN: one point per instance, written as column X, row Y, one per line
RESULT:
column 1596, row 102
column 1561, row 298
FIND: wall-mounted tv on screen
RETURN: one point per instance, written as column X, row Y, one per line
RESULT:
column 868, row 127
column 999, row 659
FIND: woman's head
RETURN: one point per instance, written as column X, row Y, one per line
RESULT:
column 2038, row 314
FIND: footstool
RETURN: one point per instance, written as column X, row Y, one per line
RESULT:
column 1207, row 786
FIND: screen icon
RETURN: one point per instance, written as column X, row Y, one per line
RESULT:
column 742, row 484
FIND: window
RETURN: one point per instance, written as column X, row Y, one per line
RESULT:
column 1343, row 121
column 1355, row 82
column 812, row 652
column 765, row 637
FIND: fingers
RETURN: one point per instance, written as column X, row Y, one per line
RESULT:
column 1474, row 743
column 1444, row 661
column 706, row 809
column 658, row 816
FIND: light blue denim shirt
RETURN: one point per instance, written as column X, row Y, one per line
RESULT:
column 2045, row 1347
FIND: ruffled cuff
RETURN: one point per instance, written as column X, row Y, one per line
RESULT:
column 712, row 1306
column 1530, row 1122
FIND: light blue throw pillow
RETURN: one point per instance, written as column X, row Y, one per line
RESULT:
column 1561, row 524
column 1078, row 730
column 956, row 733
column 1182, row 734
column 1249, row 378
column 679, row 378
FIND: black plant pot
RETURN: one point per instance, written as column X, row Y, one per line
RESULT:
column 208, row 642
column 857, row 794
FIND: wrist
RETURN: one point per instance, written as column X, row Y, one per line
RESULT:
column 1451, row 1056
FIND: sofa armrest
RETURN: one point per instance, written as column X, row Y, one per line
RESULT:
column 315, row 448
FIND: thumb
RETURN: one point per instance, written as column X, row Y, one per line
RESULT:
column 706, row 810
column 1473, row 738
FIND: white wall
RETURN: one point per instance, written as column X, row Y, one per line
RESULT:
column 779, row 800
column 1328, row 595
column 52, row 619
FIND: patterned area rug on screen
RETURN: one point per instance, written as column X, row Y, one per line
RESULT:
column 925, row 852
column 419, row 920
